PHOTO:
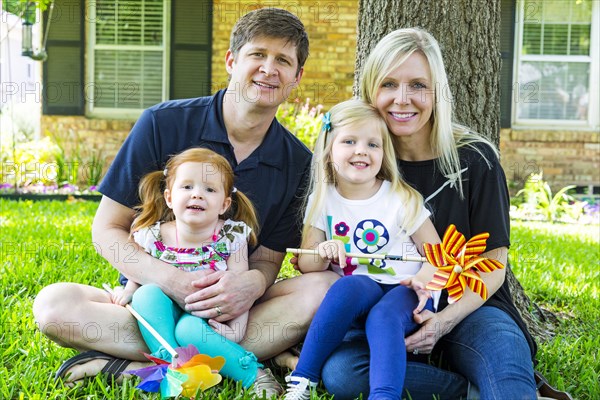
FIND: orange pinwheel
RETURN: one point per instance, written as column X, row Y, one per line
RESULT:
column 459, row 264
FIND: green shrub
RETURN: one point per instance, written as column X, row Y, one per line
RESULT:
column 50, row 164
column 303, row 120
column 34, row 162
column 536, row 201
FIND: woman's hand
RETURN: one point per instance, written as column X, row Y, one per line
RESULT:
column 433, row 327
column 423, row 340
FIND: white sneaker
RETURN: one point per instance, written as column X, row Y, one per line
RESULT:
column 298, row 388
column 266, row 386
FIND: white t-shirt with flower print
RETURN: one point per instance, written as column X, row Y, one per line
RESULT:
column 371, row 226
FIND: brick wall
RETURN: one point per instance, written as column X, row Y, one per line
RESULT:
column 565, row 157
column 95, row 138
column 331, row 26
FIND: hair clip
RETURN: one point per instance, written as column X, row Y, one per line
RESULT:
column 326, row 122
column 165, row 172
column 234, row 190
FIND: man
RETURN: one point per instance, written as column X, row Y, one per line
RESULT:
column 265, row 61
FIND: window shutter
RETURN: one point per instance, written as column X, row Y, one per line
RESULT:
column 507, row 43
column 63, row 89
column 191, row 48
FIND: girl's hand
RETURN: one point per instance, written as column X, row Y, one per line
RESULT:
column 121, row 296
column 333, row 250
column 422, row 294
column 294, row 261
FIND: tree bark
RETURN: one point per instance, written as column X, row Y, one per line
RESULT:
column 469, row 35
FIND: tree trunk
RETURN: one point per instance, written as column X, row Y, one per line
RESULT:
column 469, row 35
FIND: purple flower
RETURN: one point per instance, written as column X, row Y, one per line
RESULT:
column 68, row 188
column 341, row 229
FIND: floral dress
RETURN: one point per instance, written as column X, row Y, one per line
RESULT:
column 232, row 236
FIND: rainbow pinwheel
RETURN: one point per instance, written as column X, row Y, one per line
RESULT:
column 459, row 264
column 188, row 374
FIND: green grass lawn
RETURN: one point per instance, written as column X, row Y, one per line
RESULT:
column 46, row 242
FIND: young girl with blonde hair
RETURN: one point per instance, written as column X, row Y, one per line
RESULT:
column 359, row 203
column 193, row 217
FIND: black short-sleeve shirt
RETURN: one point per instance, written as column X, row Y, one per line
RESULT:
column 274, row 176
column 484, row 208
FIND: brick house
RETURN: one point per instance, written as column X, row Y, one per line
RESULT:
column 109, row 60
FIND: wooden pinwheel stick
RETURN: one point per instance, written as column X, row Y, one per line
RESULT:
column 364, row 256
column 142, row 321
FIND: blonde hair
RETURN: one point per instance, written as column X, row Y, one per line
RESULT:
column 348, row 113
column 446, row 136
column 152, row 186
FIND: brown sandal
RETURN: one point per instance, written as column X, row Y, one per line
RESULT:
column 113, row 368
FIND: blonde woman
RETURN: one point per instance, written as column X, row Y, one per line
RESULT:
column 460, row 177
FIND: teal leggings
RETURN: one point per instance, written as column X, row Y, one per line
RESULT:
column 179, row 328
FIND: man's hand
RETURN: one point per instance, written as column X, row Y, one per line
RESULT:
column 223, row 295
column 180, row 284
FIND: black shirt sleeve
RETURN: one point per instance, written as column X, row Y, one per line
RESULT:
column 488, row 199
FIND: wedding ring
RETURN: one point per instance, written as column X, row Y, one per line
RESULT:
column 218, row 310
column 416, row 352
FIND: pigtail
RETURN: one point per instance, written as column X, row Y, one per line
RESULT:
column 153, row 207
column 243, row 210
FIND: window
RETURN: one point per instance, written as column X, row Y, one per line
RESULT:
column 127, row 56
column 556, row 56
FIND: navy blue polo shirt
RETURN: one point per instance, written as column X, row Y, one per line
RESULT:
column 274, row 176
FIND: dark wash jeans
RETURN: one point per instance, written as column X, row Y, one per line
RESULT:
column 487, row 348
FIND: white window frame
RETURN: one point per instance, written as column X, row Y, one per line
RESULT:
column 89, row 88
column 593, row 121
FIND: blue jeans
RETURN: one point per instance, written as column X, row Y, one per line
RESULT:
column 388, row 310
column 487, row 348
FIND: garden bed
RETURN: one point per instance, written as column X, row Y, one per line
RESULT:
column 46, row 197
